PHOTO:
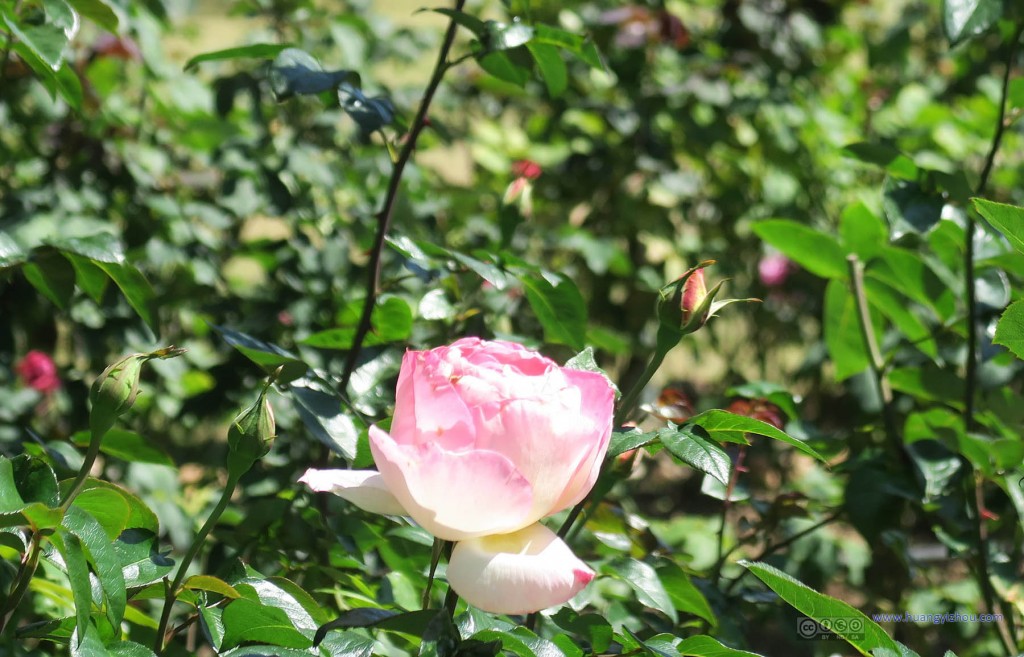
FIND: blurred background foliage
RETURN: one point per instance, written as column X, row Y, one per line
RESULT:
column 143, row 203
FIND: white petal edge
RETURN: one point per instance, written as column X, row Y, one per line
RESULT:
column 364, row 488
column 517, row 573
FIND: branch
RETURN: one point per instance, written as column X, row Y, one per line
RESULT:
column 384, row 216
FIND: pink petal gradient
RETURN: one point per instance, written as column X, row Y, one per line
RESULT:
column 364, row 488
column 517, row 573
column 453, row 495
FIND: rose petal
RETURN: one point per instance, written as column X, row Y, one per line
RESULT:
column 453, row 495
column 364, row 488
column 517, row 573
column 428, row 408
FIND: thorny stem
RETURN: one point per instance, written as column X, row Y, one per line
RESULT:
column 28, row 568
column 734, row 474
column 772, row 548
column 976, row 497
column 384, row 217
column 171, row 592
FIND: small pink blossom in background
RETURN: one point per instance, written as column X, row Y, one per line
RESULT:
column 488, row 437
column 526, row 169
column 38, row 371
column 774, row 269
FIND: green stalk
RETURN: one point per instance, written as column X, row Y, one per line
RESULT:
column 171, row 592
column 83, row 473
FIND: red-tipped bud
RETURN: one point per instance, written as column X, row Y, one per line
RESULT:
column 695, row 291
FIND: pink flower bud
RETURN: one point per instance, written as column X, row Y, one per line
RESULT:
column 39, row 372
column 526, row 169
column 695, row 290
column 774, row 269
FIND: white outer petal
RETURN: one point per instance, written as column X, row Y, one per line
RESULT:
column 364, row 488
column 517, row 573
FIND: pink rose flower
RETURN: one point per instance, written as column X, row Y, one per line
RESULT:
column 774, row 269
column 39, row 372
column 487, row 439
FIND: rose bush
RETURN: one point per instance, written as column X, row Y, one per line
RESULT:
column 489, row 437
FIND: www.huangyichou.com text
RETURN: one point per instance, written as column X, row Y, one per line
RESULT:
column 936, row 619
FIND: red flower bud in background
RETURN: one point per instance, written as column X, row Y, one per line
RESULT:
column 38, row 371
column 759, row 409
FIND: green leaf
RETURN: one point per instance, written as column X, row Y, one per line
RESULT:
column 139, row 515
column 77, row 568
column 884, row 155
column 87, row 642
column 592, row 627
column 643, row 579
column 821, row 607
column 98, row 12
column 504, row 36
column 552, row 69
column 963, row 19
column 107, row 506
column 702, row 454
column 34, row 480
column 1010, row 329
column 246, row 620
column 267, row 356
column 211, row 584
column 52, row 275
column 390, row 321
column 813, row 250
column 295, row 71
column 1007, row 219
column 130, row 649
column 842, row 331
column 910, row 208
column 706, row 646
column 10, row 498
column 46, row 42
column 369, row 113
column 863, row 232
column 103, row 558
column 580, row 46
column 101, row 247
column 723, row 425
column 88, row 276
column 559, row 307
column 895, row 308
column 501, row 66
column 134, row 286
column 11, row 253
column 686, row 597
column 127, row 446
column 255, row 50
column 929, row 382
column 321, row 412
column 623, row 441
column 141, row 562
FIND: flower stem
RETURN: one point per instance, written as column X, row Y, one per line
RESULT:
column 171, row 591
column 856, row 268
column 975, row 497
column 83, row 473
column 384, row 216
